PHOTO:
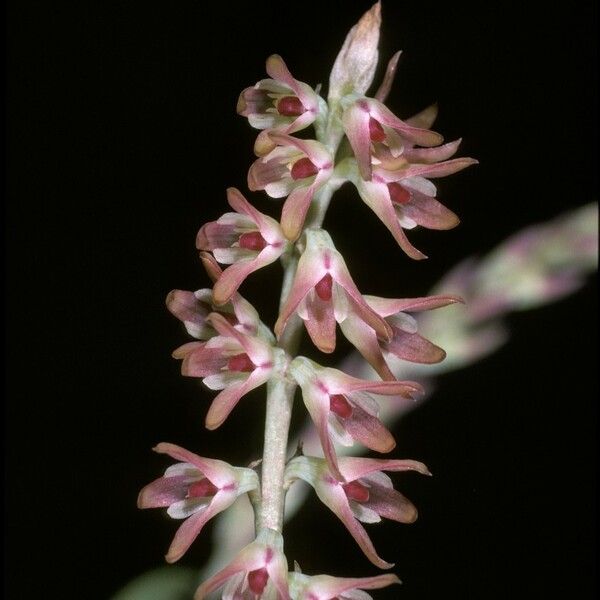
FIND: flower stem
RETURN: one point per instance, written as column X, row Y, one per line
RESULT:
column 280, row 389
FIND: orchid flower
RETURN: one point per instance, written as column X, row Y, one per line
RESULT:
column 325, row 587
column 402, row 196
column 366, row 494
column 369, row 125
column 296, row 169
column 342, row 409
column 195, row 489
column 405, row 342
column 281, row 104
column 323, row 293
column 246, row 239
column 232, row 362
column 258, row 572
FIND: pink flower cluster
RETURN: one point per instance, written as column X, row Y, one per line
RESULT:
column 391, row 162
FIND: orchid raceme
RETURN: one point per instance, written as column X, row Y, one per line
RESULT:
column 278, row 104
column 195, row 489
column 354, row 138
column 259, row 571
column 232, row 362
column 365, row 494
column 323, row 293
column 405, row 342
column 342, row 409
column 296, row 169
column 325, row 587
column 247, row 240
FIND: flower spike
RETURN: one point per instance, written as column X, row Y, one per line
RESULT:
column 195, row 489
column 342, row 408
column 366, row 495
column 247, row 240
column 258, row 572
column 323, row 292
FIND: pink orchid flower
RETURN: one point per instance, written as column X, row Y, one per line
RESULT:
column 341, row 408
column 232, row 362
column 405, row 342
column 280, row 104
column 402, row 196
column 296, row 169
column 258, row 572
column 325, row 587
column 196, row 490
column 246, row 239
column 323, row 293
column 370, row 125
column 366, row 495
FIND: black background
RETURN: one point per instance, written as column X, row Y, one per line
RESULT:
column 122, row 137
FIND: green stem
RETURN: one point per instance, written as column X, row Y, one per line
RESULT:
column 280, row 390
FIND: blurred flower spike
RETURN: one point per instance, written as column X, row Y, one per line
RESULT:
column 195, row 489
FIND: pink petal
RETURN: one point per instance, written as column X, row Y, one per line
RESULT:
column 423, row 137
column 364, row 339
column 216, row 471
column 277, row 569
column 333, row 496
column 414, row 348
column 369, row 430
column 341, row 275
column 425, row 118
column 228, row 398
column 202, row 360
column 277, row 69
column 310, row 271
column 216, row 235
column 353, row 468
column 388, row 79
column 249, row 559
column 428, row 212
column 264, row 171
column 163, row 491
column 211, row 266
column 314, row 150
column 356, row 126
column 339, row 382
column 431, row 155
column 234, row 275
column 321, row 323
column 259, row 352
column 268, row 227
column 390, row 306
column 186, row 307
column 376, row 196
column 192, row 526
column 443, row 169
column 326, row 587
column 391, row 504
column 294, row 211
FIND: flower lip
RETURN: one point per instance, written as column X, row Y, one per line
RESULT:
column 290, row 106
